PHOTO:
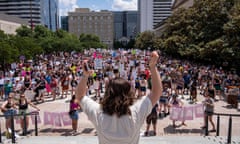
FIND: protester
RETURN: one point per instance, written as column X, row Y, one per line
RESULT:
column 118, row 118
column 8, row 87
column 73, row 113
column 24, row 109
column 9, row 108
column 209, row 110
column 176, row 102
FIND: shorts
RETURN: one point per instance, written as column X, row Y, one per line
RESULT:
column 186, row 86
column 152, row 118
column 8, row 113
column 74, row 115
column 41, row 91
column 22, row 112
column 143, row 89
column 179, row 87
column 208, row 113
column 163, row 100
column 1, row 87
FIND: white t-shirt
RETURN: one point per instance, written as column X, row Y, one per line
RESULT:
column 114, row 130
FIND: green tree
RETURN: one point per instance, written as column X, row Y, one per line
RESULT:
column 205, row 32
column 24, row 31
column 90, row 41
column 145, row 40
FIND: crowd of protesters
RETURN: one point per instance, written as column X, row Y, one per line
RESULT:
column 55, row 76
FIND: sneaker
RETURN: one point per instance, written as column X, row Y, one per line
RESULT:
column 146, row 133
column 154, row 133
column 213, row 130
column 203, row 127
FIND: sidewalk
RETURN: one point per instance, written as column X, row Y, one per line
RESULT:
column 164, row 126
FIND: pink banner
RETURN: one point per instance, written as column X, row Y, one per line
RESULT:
column 33, row 119
column 48, row 119
column 174, row 114
column 199, row 111
column 188, row 113
column 182, row 114
column 66, row 119
column 56, row 119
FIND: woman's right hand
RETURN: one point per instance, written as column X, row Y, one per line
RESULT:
column 154, row 59
column 86, row 70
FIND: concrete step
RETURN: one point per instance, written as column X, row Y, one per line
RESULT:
column 143, row 140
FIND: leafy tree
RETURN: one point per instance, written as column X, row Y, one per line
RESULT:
column 90, row 41
column 206, row 32
column 24, row 31
column 145, row 40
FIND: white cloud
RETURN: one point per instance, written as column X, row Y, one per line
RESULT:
column 124, row 5
column 66, row 6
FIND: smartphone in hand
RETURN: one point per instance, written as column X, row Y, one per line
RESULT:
column 86, row 67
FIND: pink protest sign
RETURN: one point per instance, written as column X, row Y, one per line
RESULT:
column 181, row 114
column 188, row 113
column 199, row 111
column 174, row 114
column 66, row 119
column 33, row 119
column 56, row 119
column 48, row 119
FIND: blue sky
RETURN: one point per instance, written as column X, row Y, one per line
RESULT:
column 97, row 5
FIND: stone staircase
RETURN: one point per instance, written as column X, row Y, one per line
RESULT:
column 143, row 140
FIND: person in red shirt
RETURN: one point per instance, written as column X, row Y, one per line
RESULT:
column 147, row 73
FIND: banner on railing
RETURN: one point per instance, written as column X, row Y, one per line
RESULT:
column 48, row 119
column 186, row 113
column 57, row 119
column 66, row 119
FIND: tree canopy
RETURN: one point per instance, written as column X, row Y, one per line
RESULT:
column 208, row 32
column 29, row 43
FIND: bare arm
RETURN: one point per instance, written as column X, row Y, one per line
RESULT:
column 34, row 106
column 81, row 88
column 156, row 80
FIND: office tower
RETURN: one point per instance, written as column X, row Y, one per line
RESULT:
column 64, row 23
column 37, row 12
column 152, row 12
column 50, row 14
column 125, row 24
column 82, row 20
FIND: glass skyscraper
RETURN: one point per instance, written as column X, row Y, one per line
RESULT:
column 125, row 24
column 36, row 12
column 50, row 14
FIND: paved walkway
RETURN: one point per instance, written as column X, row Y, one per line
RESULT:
column 143, row 140
column 164, row 126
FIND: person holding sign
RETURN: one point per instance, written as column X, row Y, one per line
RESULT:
column 119, row 115
column 175, row 102
column 209, row 110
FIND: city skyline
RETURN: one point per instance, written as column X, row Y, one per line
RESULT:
column 96, row 5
